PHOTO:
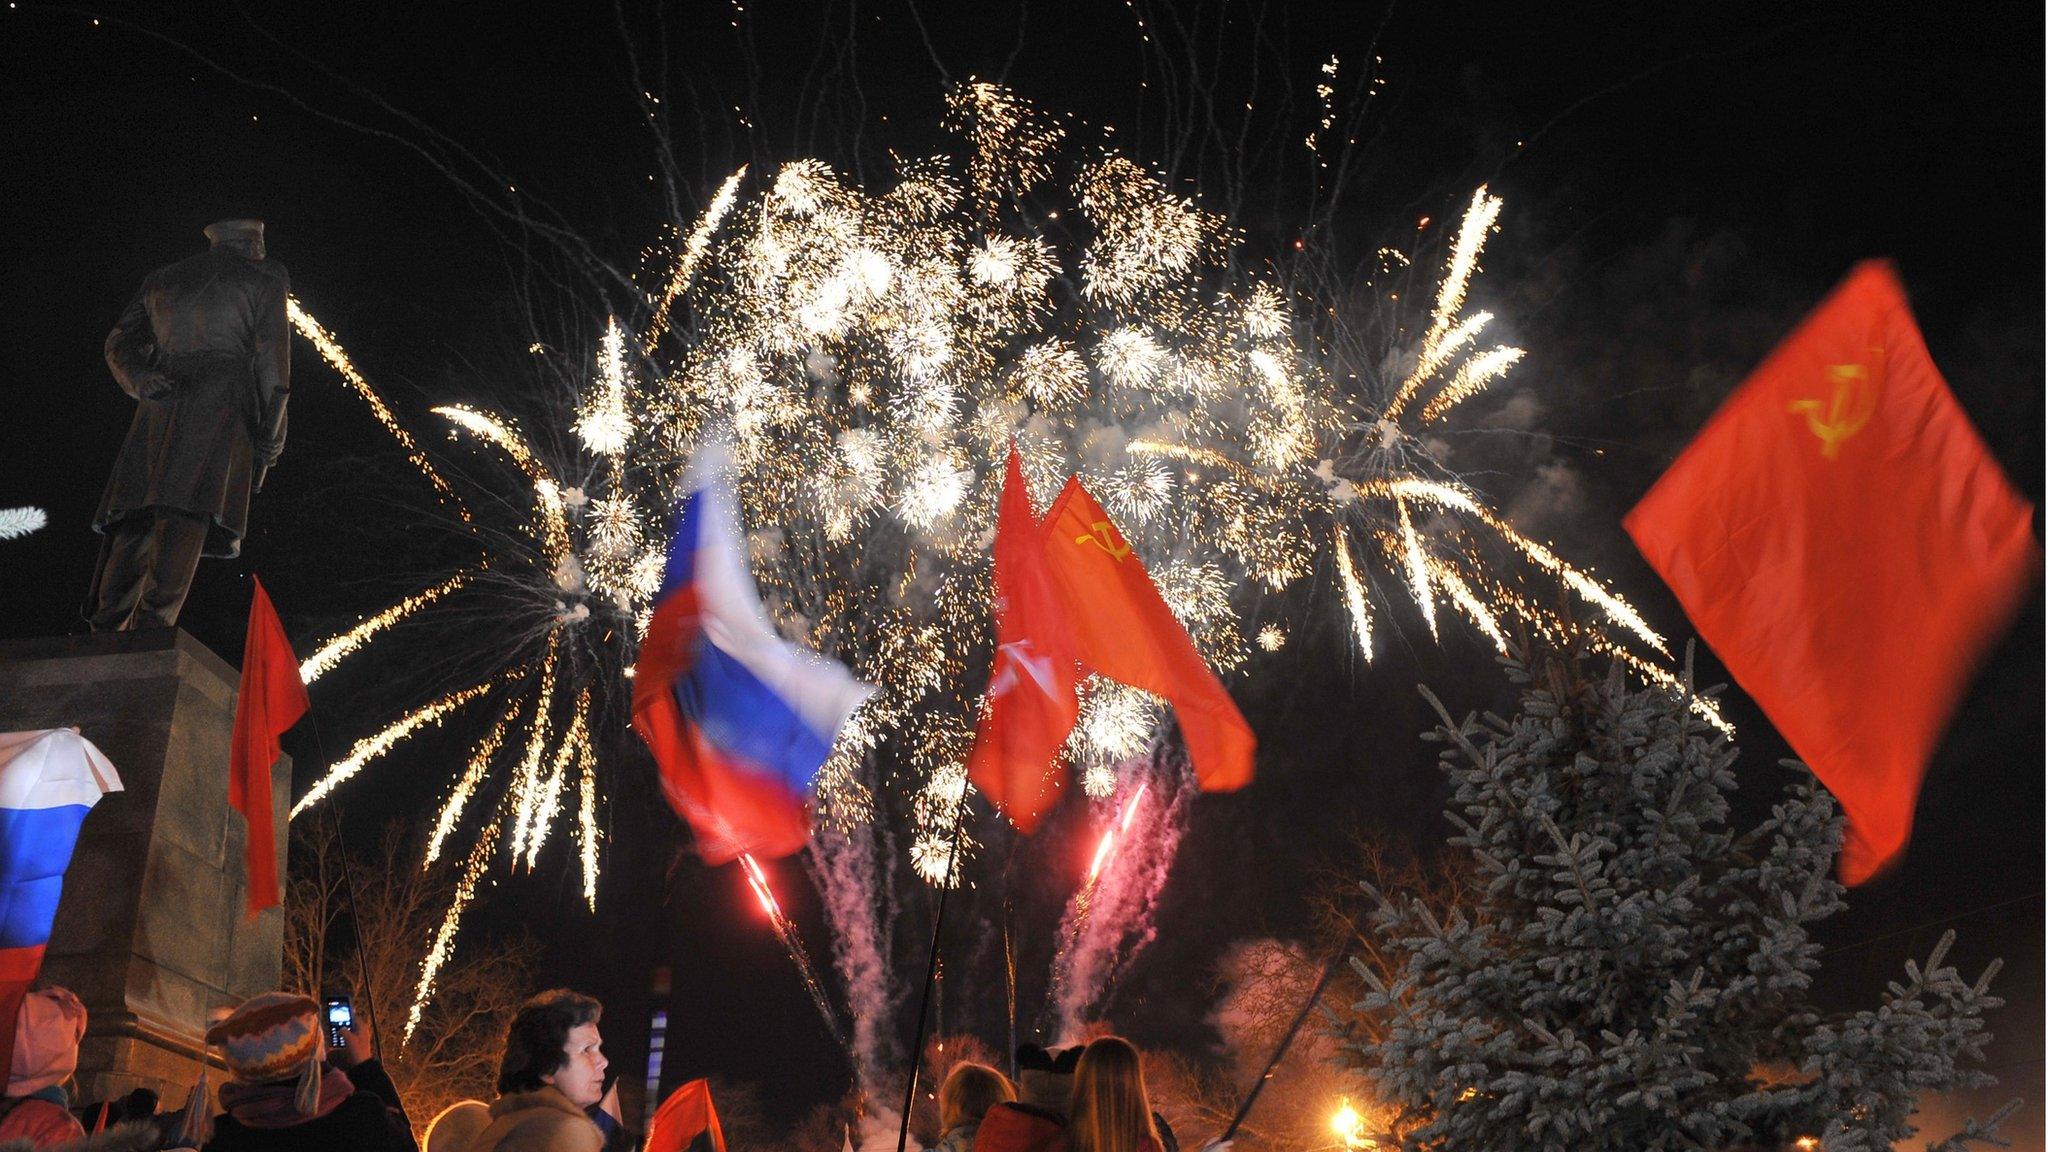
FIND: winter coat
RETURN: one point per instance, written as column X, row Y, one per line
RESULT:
column 137, row 1136
column 369, row 1119
column 205, row 350
column 39, row 1120
column 1019, row 1127
column 540, row 1121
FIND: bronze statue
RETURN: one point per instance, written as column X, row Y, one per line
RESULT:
column 205, row 350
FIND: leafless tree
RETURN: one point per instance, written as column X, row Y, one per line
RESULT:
column 361, row 923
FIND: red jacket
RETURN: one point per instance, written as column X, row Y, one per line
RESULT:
column 40, row 1122
column 1019, row 1128
column 1061, row 1144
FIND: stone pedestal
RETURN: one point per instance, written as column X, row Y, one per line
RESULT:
column 152, row 932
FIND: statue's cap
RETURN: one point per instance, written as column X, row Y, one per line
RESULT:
column 221, row 230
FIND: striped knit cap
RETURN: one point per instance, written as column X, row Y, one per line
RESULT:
column 270, row 1037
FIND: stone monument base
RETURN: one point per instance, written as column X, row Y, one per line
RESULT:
column 152, row 933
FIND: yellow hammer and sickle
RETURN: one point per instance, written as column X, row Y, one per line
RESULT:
column 1850, row 404
column 1103, row 535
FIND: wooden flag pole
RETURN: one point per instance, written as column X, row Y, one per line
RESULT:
column 1286, row 1042
column 931, row 971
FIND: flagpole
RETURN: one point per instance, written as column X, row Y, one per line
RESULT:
column 1010, row 982
column 1286, row 1042
column 355, row 916
column 355, row 912
column 931, row 970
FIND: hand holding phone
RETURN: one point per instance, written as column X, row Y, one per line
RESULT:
column 339, row 1015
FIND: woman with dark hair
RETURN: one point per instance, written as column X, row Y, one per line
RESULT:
column 1109, row 1110
column 551, row 1073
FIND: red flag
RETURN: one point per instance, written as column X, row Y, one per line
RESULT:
column 1030, row 705
column 271, row 699
column 1123, row 630
column 1842, row 539
column 686, row 1122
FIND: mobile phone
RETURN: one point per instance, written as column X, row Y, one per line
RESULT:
column 340, row 1015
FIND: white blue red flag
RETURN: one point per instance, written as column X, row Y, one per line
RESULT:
column 49, row 780
column 739, row 719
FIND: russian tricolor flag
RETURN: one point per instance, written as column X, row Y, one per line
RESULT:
column 49, row 780
column 739, row 720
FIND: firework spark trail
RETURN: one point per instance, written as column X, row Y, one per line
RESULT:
column 1437, row 345
column 603, row 425
column 331, row 351
column 526, row 782
column 692, row 254
column 1076, row 920
column 335, row 650
column 548, row 794
column 845, row 868
column 1115, row 920
column 1564, row 633
column 587, row 835
column 1417, row 564
column 1482, row 617
column 444, row 937
column 554, row 519
column 371, row 747
column 1472, row 378
column 1354, row 594
column 1590, row 589
column 466, row 784
column 792, row 943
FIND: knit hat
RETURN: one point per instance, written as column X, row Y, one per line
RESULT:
column 1044, row 1076
column 222, row 231
column 270, row 1037
column 46, row 1036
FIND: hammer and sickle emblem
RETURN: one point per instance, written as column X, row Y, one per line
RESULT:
column 1103, row 535
column 1851, row 402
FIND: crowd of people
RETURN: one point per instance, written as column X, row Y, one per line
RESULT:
column 289, row 1092
column 1083, row 1099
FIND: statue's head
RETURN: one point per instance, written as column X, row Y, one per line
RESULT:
column 243, row 237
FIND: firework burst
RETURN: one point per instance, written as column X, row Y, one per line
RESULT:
column 1390, row 496
column 868, row 354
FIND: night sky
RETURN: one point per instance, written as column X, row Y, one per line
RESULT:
column 1683, row 182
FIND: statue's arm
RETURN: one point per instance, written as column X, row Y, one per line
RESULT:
column 273, row 370
column 130, row 348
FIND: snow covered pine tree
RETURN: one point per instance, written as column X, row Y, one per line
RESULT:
column 1630, row 974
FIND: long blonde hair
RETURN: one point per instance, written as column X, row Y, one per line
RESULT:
column 1110, row 1111
column 970, row 1090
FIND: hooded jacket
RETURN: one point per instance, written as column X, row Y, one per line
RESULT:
column 1019, row 1127
column 37, row 1122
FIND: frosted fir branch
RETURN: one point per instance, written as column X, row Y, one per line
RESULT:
column 17, row 522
